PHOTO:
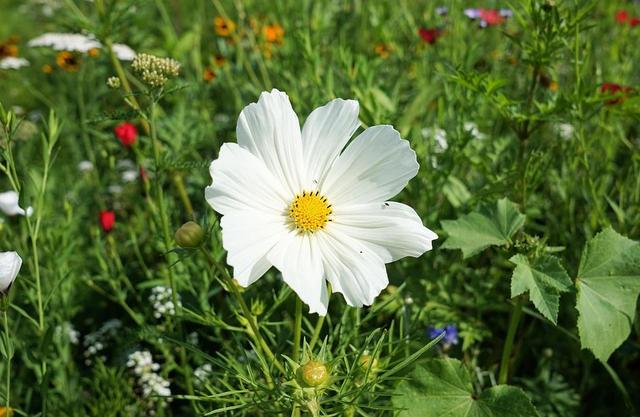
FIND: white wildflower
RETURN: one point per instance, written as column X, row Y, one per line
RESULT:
column 9, row 205
column 10, row 263
column 294, row 199
column 13, row 63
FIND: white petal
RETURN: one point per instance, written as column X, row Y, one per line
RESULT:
column 248, row 236
column 242, row 182
column 375, row 167
column 351, row 267
column 392, row 230
column 324, row 134
column 9, row 204
column 270, row 130
column 10, row 263
column 297, row 256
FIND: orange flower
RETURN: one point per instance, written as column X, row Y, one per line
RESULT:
column 224, row 27
column 68, row 61
column 273, row 33
column 93, row 52
column 9, row 48
column 47, row 69
column 208, row 74
column 382, row 50
column 219, row 60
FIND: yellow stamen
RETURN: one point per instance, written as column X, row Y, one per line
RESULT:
column 310, row 211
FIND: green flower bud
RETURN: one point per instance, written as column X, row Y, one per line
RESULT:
column 189, row 235
column 314, row 373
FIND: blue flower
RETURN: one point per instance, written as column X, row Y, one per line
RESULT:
column 450, row 331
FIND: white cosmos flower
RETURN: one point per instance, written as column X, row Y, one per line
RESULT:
column 10, row 263
column 66, row 41
column 79, row 43
column 295, row 200
column 12, row 62
column 9, row 204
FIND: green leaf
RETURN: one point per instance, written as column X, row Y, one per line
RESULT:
column 544, row 278
column 492, row 224
column 443, row 388
column 608, row 286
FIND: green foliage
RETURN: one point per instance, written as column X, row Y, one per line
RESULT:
column 608, row 286
column 544, row 278
column 444, row 387
column 489, row 225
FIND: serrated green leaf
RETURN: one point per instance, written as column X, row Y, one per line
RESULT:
column 544, row 279
column 492, row 224
column 608, row 286
column 443, row 388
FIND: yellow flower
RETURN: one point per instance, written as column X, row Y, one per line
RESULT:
column 273, row 33
column 93, row 52
column 47, row 69
column 68, row 61
column 224, row 27
column 208, row 74
column 6, row 412
column 382, row 50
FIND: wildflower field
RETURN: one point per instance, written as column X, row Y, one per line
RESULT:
column 319, row 208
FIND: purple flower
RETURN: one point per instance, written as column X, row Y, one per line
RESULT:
column 472, row 13
column 450, row 337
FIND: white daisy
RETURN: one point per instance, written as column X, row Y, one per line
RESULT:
column 295, row 200
column 12, row 62
column 9, row 205
column 66, row 42
column 10, row 263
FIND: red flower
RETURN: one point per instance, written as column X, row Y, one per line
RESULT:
column 107, row 220
column 126, row 133
column 491, row 17
column 430, row 36
column 618, row 91
column 622, row 16
column 635, row 21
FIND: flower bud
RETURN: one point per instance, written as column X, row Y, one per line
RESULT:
column 314, row 373
column 10, row 263
column 189, row 235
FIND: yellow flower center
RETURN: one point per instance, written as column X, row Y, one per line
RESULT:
column 310, row 211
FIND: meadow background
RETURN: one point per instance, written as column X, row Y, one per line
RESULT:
column 536, row 105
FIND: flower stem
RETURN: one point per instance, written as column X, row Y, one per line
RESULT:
column 261, row 345
column 316, row 332
column 516, row 314
column 9, row 355
column 297, row 330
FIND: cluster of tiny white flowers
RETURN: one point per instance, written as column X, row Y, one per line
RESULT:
column 155, row 71
column 472, row 128
column 151, row 384
column 67, row 330
column 162, row 300
column 95, row 342
column 202, row 373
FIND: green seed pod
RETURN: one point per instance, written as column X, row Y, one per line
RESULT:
column 189, row 235
column 314, row 373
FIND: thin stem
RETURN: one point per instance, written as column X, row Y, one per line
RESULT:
column 516, row 314
column 9, row 355
column 297, row 330
column 261, row 345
